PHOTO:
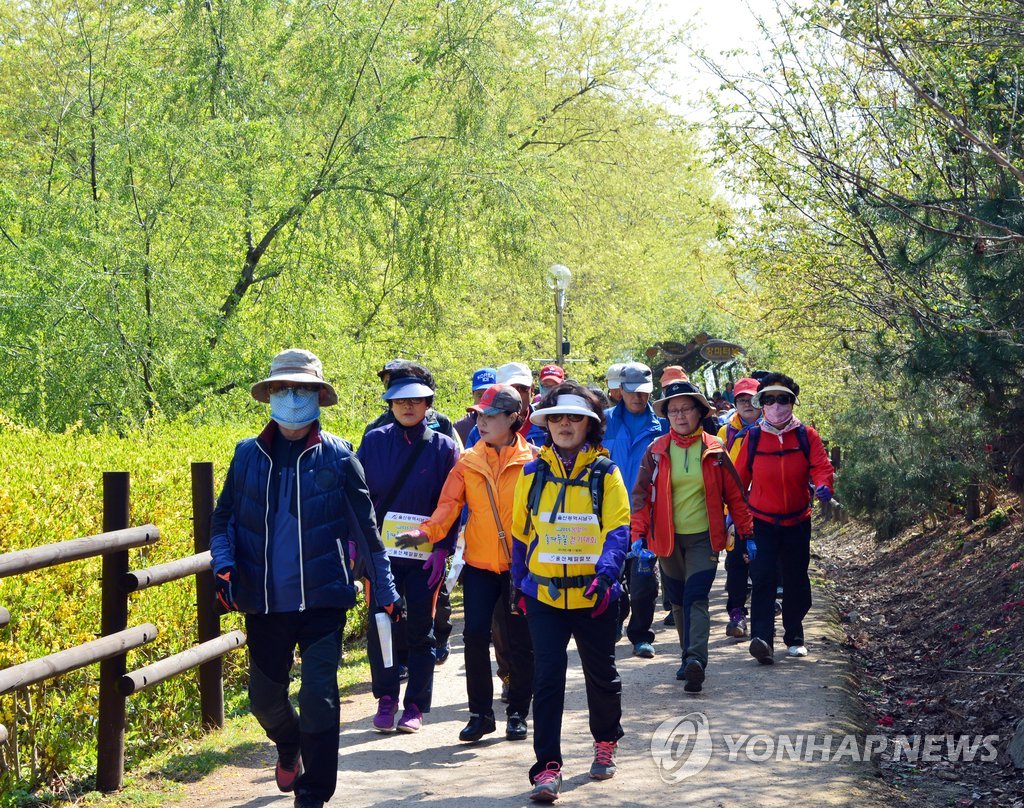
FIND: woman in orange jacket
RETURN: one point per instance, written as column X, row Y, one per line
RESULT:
column 685, row 483
column 484, row 481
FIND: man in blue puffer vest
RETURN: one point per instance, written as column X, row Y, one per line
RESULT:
column 631, row 427
column 293, row 499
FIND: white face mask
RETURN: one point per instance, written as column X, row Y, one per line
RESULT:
column 294, row 409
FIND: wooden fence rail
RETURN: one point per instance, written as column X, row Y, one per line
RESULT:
column 116, row 684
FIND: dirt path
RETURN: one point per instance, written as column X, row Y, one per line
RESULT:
column 795, row 696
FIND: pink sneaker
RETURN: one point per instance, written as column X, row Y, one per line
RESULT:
column 384, row 721
column 411, row 720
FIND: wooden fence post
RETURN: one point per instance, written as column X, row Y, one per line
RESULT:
column 113, row 618
column 972, row 509
column 211, row 684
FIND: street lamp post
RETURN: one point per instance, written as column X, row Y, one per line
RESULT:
column 559, row 278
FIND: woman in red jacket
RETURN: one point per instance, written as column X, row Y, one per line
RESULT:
column 781, row 461
column 685, row 482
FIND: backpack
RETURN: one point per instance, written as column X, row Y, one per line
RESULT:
column 754, row 435
column 599, row 469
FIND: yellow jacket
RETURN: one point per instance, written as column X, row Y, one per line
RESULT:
column 466, row 486
column 554, row 563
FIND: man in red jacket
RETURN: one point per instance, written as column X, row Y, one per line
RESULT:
column 781, row 460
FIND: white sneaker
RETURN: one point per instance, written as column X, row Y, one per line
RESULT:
column 796, row 650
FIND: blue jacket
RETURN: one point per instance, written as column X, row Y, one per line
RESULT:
column 384, row 453
column 627, row 451
column 334, row 507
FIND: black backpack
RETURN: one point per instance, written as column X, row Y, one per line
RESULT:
column 599, row 469
column 754, row 435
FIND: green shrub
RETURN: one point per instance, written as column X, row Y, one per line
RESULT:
column 907, row 455
column 51, row 491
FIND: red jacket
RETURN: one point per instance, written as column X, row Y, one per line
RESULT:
column 651, row 502
column 780, row 486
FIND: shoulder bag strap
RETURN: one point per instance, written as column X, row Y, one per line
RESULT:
column 396, row 486
column 497, row 521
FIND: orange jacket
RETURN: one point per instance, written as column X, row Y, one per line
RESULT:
column 653, row 517
column 466, row 486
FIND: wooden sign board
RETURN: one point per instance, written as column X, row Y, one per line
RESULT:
column 717, row 350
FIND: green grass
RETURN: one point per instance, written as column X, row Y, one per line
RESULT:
column 164, row 777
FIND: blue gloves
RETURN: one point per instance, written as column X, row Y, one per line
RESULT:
column 751, row 549
column 600, row 590
column 823, row 492
column 644, row 558
column 225, row 589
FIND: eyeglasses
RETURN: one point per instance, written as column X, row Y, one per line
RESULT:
column 678, row 412
column 781, row 398
column 556, row 417
column 412, row 402
column 277, row 387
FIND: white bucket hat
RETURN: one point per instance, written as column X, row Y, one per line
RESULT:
column 294, row 365
column 565, row 405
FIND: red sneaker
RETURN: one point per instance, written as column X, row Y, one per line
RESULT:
column 286, row 775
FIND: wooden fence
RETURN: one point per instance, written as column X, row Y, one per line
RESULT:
column 116, row 683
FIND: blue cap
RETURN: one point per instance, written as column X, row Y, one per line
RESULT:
column 407, row 387
column 484, row 377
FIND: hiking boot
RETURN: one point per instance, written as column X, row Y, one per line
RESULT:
column 796, row 651
column 670, row 619
column 441, row 654
column 287, row 771
column 504, row 690
column 515, row 728
column 737, row 623
column 644, row 650
column 603, row 767
column 762, row 651
column 478, row 726
column 693, row 673
column 308, row 801
column 384, row 721
column 546, row 783
column 411, row 720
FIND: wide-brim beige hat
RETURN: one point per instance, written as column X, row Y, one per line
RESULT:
column 294, row 365
column 676, row 390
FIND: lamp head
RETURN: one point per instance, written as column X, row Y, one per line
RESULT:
column 559, row 277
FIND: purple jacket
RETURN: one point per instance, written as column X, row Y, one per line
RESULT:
column 384, row 452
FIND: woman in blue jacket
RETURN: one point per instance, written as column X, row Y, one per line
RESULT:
column 406, row 464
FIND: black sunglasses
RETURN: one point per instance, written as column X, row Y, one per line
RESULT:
column 277, row 387
column 781, row 398
column 556, row 417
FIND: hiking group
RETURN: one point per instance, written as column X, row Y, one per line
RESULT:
column 559, row 508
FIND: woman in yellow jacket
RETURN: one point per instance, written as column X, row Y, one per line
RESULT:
column 484, row 480
column 571, row 525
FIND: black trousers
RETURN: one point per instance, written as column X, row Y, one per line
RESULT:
column 411, row 583
column 790, row 547
column 550, row 630
column 643, row 593
column 482, row 590
column 313, row 731
column 735, row 581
